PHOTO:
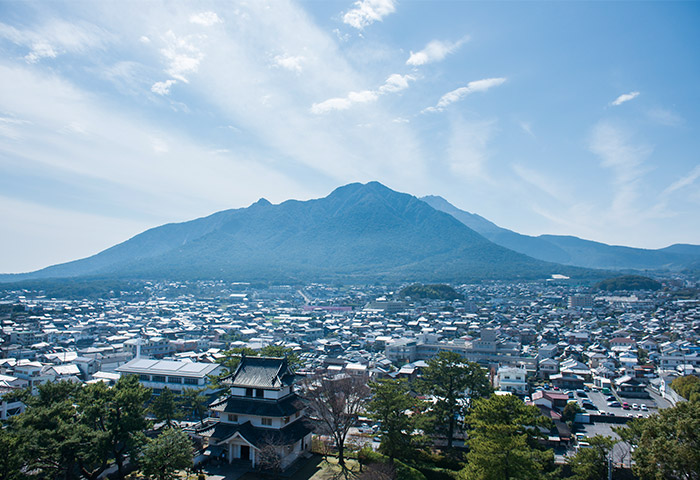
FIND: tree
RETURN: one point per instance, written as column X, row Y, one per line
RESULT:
column 164, row 407
column 165, row 455
column 392, row 405
column 592, row 463
column 686, row 386
column 503, row 440
column 118, row 413
column 570, row 411
column 667, row 443
column 449, row 377
column 336, row 403
column 193, row 401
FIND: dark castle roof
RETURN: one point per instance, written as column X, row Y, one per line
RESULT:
column 285, row 407
column 292, row 433
column 261, row 372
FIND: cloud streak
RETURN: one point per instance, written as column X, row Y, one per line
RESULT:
column 366, row 12
column 462, row 92
column 625, row 97
column 393, row 84
column 434, row 52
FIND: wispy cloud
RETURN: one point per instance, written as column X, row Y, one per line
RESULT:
column 206, row 19
column 54, row 38
column 434, row 52
column 366, row 12
column 625, row 97
column 625, row 159
column 665, row 117
column 394, row 83
column 459, row 93
column 468, row 149
column 540, row 181
column 684, row 181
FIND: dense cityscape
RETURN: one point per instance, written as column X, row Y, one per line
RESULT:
column 549, row 344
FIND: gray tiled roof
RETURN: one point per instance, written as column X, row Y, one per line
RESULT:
column 261, row 372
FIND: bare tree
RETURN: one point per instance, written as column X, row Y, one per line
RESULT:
column 335, row 403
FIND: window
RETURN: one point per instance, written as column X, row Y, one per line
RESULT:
column 191, row 381
column 286, row 419
column 267, row 421
column 248, row 392
column 174, row 380
column 158, row 378
column 232, row 418
column 144, row 378
column 260, row 393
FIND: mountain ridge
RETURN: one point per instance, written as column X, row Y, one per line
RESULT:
column 575, row 251
column 359, row 232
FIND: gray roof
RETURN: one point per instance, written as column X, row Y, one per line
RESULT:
column 261, row 372
column 168, row 367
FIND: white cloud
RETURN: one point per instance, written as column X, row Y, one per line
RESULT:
column 206, row 19
column 434, row 52
column 144, row 39
column 163, row 88
column 366, row 12
column 395, row 83
column 625, row 97
column 289, row 62
column 459, row 93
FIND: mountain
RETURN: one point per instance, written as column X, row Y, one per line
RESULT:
column 360, row 232
column 569, row 250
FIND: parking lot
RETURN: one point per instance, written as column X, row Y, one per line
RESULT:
column 600, row 401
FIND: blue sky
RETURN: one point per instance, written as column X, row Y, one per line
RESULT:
column 573, row 118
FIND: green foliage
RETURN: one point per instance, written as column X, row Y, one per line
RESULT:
column 164, row 456
column 628, row 282
column 503, row 441
column 69, row 431
column 449, row 377
column 393, row 406
column 667, row 443
column 570, row 411
column 402, row 471
column 194, row 403
column 165, row 407
column 592, row 463
column 686, row 386
column 431, row 292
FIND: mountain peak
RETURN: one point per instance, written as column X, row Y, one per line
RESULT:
column 263, row 202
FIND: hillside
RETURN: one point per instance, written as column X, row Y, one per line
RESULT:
column 570, row 250
column 357, row 233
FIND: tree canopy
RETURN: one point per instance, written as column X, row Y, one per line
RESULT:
column 502, row 441
column 453, row 381
column 667, row 443
column 164, row 456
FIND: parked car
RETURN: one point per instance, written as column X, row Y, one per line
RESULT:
column 635, row 406
column 614, row 404
column 643, row 406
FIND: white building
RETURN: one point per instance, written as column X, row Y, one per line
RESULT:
column 175, row 375
column 511, row 379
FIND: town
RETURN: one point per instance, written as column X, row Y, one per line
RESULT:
column 549, row 344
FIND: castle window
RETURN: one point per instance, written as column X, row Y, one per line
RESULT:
column 267, row 421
